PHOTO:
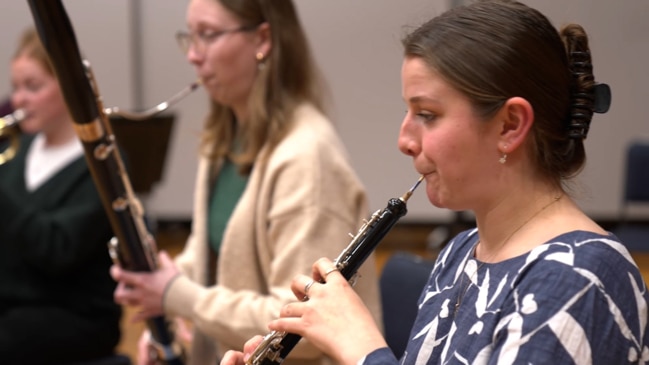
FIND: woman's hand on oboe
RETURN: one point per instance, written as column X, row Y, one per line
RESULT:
column 144, row 289
column 333, row 310
column 232, row 357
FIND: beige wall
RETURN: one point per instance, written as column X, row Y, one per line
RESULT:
column 357, row 46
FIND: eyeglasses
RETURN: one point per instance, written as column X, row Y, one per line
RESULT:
column 202, row 39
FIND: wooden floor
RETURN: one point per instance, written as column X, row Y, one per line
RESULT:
column 401, row 238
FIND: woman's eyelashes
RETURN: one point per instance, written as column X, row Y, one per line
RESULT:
column 426, row 117
column 421, row 116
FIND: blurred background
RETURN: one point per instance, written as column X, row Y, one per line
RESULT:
column 132, row 49
column 131, row 46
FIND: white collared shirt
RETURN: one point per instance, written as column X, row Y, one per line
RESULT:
column 43, row 161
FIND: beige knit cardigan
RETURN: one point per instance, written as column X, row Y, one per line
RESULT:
column 301, row 202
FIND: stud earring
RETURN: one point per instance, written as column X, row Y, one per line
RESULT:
column 260, row 60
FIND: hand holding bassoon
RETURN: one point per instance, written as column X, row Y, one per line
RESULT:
column 144, row 290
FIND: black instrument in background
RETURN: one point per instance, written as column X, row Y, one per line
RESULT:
column 133, row 246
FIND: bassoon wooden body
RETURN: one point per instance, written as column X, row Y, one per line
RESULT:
column 133, row 245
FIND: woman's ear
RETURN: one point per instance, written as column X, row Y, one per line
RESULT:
column 264, row 39
column 517, row 117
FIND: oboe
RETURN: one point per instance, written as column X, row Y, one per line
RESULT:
column 134, row 246
column 276, row 345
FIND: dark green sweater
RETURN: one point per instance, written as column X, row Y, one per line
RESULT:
column 53, row 252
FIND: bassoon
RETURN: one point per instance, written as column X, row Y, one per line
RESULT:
column 133, row 246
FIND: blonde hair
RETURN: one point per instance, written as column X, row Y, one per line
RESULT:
column 288, row 77
column 29, row 45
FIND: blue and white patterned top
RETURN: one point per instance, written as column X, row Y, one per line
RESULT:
column 578, row 299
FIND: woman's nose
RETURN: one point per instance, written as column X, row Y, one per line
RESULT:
column 17, row 99
column 408, row 143
column 193, row 56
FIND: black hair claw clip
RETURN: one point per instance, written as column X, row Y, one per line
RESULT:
column 602, row 94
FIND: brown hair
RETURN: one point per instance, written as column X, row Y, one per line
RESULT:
column 497, row 49
column 287, row 78
column 30, row 45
